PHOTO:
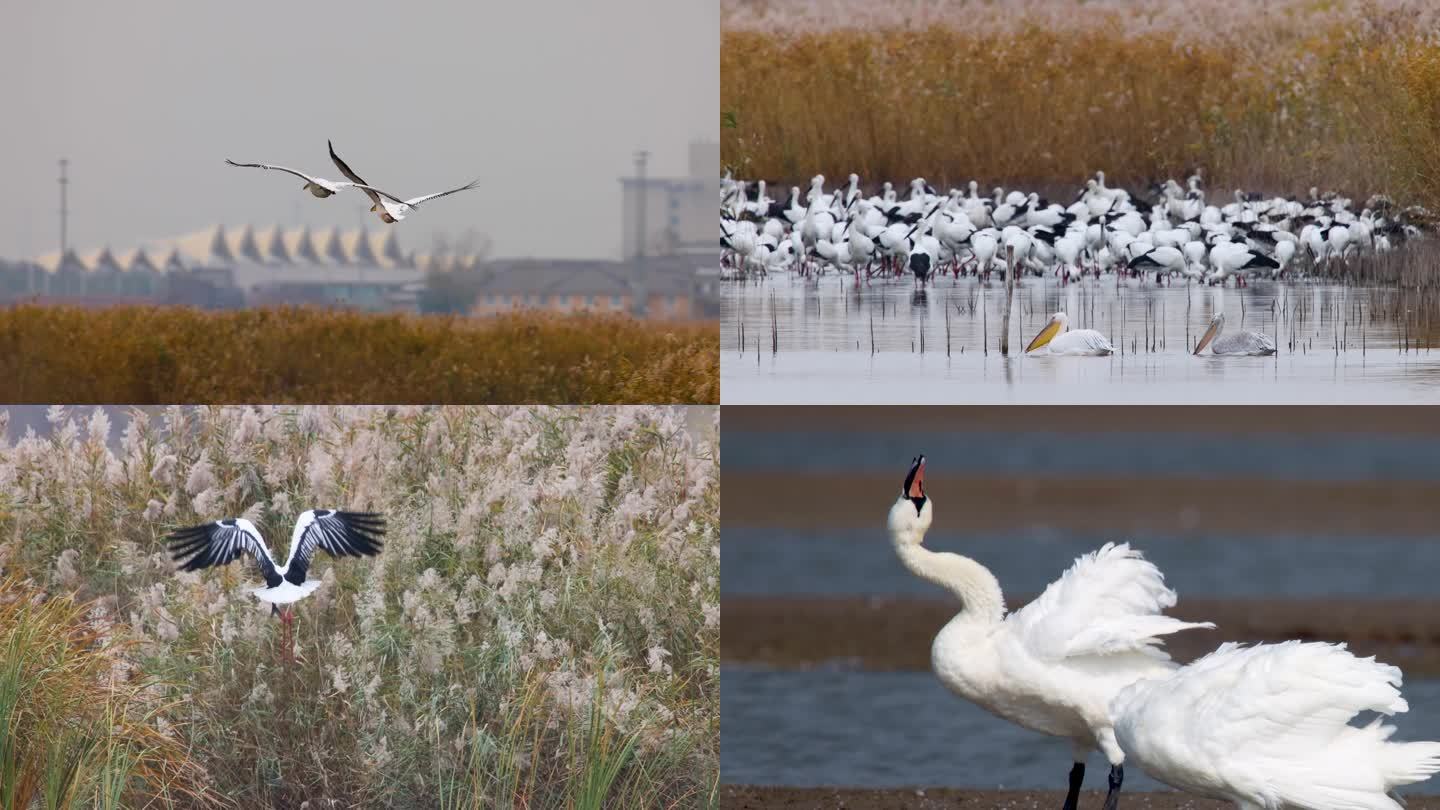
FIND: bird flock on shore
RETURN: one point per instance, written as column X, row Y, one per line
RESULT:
column 1264, row 727
column 1174, row 232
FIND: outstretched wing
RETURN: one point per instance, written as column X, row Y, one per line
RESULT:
column 415, row 202
column 307, row 178
column 1108, row 602
column 1289, row 704
column 221, row 542
column 343, row 534
column 368, row 189
column 350, row 173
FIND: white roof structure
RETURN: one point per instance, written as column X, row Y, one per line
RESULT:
column 266, row 255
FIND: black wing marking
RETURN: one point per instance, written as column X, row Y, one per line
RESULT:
column 350, row 173
column 219, row 543
column 342, row 534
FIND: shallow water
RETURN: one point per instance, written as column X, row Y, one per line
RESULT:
column 781, row 562
column 884, row 341
column 894, row 729
column 887, row 445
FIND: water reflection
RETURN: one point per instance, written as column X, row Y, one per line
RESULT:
column 886, row 341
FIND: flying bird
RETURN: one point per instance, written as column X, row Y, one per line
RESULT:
column 342, row 534
column 318, row 186
column 390, row 212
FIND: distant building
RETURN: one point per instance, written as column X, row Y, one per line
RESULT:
column 220, row 267
column 679, row 212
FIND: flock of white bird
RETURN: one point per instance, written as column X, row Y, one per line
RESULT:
column 1104, row 230
column 388, row 207
column 1264, row 727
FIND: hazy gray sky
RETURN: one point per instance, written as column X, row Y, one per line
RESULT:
column 545, row 102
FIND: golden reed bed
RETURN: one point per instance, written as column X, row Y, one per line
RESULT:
column 163, row 355
column 1279, row 97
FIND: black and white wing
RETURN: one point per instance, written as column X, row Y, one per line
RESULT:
column 307, row 178
column 368, row 189
column 221, row 542
column 343, row 534
column 417, row 200
column 354, row 178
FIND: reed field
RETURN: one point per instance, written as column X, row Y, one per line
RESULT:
column 540, row 630
column 159, row 355
column 1275, row 96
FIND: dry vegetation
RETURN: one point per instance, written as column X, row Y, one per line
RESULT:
column 162, row 355
column 1274, row 96
column 541, row 629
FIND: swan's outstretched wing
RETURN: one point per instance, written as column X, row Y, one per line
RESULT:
column 307, row 178
column 355, row 178
column 415, row 202
column 1273, row 722
column 343, row 534
column 221, row 542
column 1108, row 602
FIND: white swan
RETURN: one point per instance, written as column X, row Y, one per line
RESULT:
column 1054, row 665
column 1056, row 340
column 1243, row 342
column 1268, row 727
column 390, row 212
column 318, row 186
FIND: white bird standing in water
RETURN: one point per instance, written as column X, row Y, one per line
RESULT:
column 1054, row 665
column 1056, row 340
column 342, row 534
column 1243, row 342
column 1268, row 727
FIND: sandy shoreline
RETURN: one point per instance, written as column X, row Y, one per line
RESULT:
column 748, row 797
column 895, row 634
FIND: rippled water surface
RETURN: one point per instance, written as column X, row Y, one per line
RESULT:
column 894, row 729
column 887, row 341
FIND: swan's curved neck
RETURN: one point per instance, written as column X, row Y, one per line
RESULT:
column 978, row 590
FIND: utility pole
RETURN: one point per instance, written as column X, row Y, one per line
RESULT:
column 640, row 291
column 64, row 208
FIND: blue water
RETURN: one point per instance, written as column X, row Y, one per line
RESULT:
column 1178, row 454
column 770, row 562
column 896, row 729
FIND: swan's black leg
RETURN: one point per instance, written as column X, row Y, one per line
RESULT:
column 1117, row 775
column 1077, row 775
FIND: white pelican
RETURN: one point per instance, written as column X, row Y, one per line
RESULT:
column 387, row 211
column 1056, row 340
column 1054, row 665
column 318, row 186
column 1269, row 727
column 342, row 534
column 1243, row 342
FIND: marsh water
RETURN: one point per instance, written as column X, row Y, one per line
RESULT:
column 897, row 729
column 786, row 339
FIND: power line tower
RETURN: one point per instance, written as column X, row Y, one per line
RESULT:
column 64, row 207
column 641, row 192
